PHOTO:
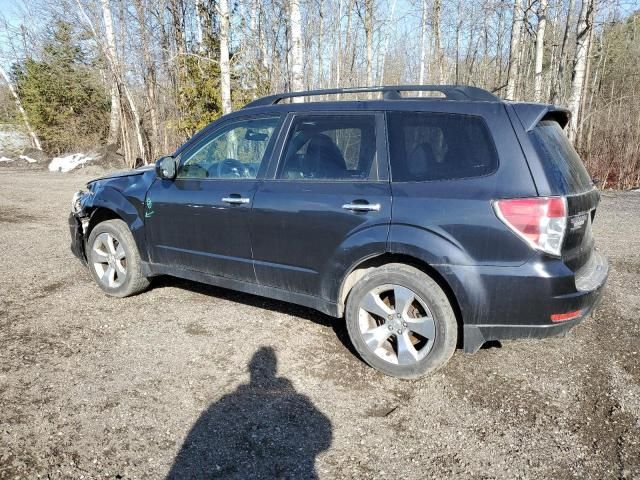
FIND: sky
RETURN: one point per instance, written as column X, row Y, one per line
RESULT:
column 8, row 9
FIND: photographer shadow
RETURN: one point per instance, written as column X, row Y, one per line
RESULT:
column 265, row 429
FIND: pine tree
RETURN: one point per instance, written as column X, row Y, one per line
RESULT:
column 62, row 95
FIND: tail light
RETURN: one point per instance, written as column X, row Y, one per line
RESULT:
column 539, row 221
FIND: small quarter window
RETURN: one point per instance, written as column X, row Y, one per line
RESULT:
column 336, row 147
column 439, row 146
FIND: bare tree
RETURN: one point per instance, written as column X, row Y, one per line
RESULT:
column 114, row 122
column 556, row 80
column 585, row 24
column 542, row 23
column 25, row 119
column 114, row 68
column 295, row 27
column 437, row 45
column 368, row 32
column 225, row 68
column 514, row 49
column 423, row 44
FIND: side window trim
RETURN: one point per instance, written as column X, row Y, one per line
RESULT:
column 380, row 164
column 268, row 154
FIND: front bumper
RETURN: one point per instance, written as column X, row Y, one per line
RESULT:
column 76, row 230
column 520, row 304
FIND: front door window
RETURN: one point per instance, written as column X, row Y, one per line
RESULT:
column 236, row 152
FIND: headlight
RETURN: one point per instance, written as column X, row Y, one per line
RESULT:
column 76, row 206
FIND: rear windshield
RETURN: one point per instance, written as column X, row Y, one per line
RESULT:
column 561, row 162
column 439, row 146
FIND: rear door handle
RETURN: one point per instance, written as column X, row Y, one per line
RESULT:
column 362, row 207
column 236, row 200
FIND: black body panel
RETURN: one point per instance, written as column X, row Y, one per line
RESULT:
column 293, row 240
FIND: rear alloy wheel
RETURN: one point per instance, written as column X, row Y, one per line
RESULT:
column 114, row 260
column 401, row 321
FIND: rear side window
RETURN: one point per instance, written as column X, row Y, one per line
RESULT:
column 439, row 146
column 561, row 162
column 336, row 147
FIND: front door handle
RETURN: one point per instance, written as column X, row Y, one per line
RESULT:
column 236, row 200
column 362, row 207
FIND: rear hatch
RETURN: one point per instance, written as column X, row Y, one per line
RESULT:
column 567, row 177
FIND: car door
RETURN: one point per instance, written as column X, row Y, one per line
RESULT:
column 325, row 204
column 199, row 220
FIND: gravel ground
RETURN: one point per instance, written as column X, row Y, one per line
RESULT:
column 188, row 380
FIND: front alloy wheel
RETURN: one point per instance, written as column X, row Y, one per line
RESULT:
column 114, row 260
column 109, row 260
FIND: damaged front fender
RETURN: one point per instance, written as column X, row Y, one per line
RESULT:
column 119, row 196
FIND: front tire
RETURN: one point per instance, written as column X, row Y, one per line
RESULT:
column 401, row 322
column 114, row 260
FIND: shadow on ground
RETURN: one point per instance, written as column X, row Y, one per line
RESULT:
column 265, row 429
column 300, row 311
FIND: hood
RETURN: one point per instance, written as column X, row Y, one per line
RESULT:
column 126, row 173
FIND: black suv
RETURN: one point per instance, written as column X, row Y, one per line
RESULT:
column 430, row 217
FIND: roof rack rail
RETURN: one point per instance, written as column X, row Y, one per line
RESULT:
column 390, row 92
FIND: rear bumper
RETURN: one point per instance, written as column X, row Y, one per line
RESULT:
column 517, row 302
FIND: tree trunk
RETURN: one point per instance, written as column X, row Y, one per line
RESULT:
column 439, row 54
column 225, row 68
column 514, row 50
column 348, row 45
column 499, row 53
column 585, row 24
column 542, row 23
column 148, row 77
column 338, row 53
column 423, row 45
column 385, row 46
column 296, row 72
column 200, row 26
column 321, row 42
column 115, row 120
column 34, row 138
column 559, row 76
column 116, row 73
column 368, row 33
column 585, row 90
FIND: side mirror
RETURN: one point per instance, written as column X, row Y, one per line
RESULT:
column 166, row 167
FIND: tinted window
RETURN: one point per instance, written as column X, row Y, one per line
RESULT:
column 438, row 146
column 561, row 162
column 235, row 151
column 335, row 147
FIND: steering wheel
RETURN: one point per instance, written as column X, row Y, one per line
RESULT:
column 232, row 167
column 193, row 171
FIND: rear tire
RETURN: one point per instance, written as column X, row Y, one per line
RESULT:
column 401, row 322
column 114, row 260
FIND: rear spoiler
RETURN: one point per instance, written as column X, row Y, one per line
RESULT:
column 530, row 114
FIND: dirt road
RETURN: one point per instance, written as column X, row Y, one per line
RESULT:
column 97, row 387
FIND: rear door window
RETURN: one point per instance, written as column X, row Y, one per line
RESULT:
column 439, row 146
column 336, row 147
column 561, row 162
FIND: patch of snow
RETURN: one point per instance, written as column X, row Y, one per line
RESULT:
column 28, row 159
column 69, row 162
column 6, row 159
